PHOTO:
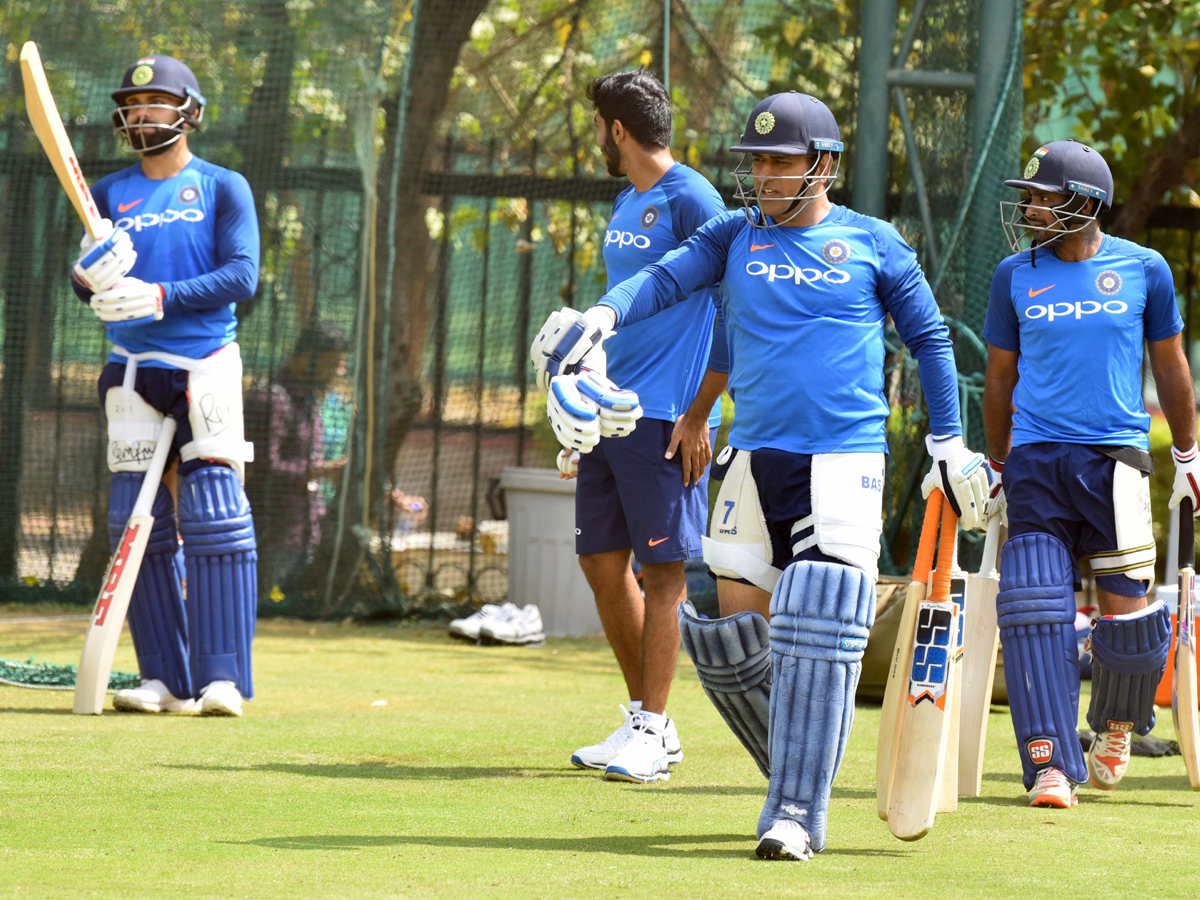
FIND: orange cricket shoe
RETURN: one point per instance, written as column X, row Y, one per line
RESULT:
column 1053, row 789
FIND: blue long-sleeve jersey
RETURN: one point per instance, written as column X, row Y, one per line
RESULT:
column 196, row 234
column 663, row 358
column 804, row 310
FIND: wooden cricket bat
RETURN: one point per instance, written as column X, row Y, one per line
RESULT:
column 1183, row 691
column 100, row 645
column 948, row 792
column 926, row 708
column 897, row 682
column 43, row 115
column 981, row 640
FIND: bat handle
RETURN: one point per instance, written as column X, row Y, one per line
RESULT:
column 991, row 548
column 1187, row 537
column 945, row 554
column 929, row 533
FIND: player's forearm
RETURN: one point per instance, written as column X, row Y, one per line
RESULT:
column 234, row 282
column 997, row 417
column 939, row 381
column 642, row 295
column 1177, row 398
column 712, row 385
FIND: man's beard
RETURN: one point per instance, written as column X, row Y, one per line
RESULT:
column 612, row 156
column 158, row 140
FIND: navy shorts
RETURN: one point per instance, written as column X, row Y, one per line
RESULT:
column 1067, row 490
column 784, row 482
column 166, row 391
column 629, row 497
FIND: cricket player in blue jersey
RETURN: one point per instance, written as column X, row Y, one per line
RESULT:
column 804, row 289
column 644, row 492
column 180, row 251
column 1068, row 314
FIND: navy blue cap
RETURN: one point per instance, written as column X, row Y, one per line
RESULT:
column 1067, row 167
column 161, row 74
column 791, row 123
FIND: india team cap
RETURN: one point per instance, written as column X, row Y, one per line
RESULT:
column 159, row 73
column 1067, row 167
column 792, row 123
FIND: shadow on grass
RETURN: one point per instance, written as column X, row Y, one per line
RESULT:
column 37, row 711
column 394, row 771
column 631, row 845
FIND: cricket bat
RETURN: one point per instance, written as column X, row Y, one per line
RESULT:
column 43, row 115
column 948, row 792
column 1183, row 691
column 981, row 640
column 95, row 666
column 897, row 683
column 926, row 706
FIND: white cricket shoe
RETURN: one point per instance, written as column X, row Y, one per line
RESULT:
column 523, row 626
column 1053, row 789
column 1108, row 757
column 220, row 698
column 785, row 839
column 598, row 756
column 153, row 697
column 468, row 628
column 645, row 756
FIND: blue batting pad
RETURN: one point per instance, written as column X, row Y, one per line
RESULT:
column 1129, row 656
column 222, row 576
column 732, row 656
column 1036, row 612
column 157, row 617
column 820, row 616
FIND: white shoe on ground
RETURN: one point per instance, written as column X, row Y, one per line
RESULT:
column 1054, row 790
column 645, row 757
column 152, row 696
column 785, row 839
column 220, row 698
column 468, row 628
column 598, row 756
column 524, row 626
column 1108, row 757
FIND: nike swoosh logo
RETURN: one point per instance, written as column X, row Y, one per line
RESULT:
column 125, row 207
column 659, row 541
column 754, row 247
column 1033, row 293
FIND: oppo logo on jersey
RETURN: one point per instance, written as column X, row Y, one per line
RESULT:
column 625, row 239
column 158, row 220
column 1076, row 310
column 797, row 274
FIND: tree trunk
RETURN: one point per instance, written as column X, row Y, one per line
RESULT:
column 1164, row 173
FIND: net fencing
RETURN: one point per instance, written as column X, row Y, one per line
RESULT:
column 428, row 190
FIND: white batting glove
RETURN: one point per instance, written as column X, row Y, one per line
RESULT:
column 574, row 417
column 1187, row 478
column 997, row 502
column 104, row 260
column 566, row 338
column 568, row 462
column 619, row 410
column 961, row 475
column 129, row 300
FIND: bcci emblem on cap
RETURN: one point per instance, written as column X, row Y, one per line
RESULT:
column 764, row 122
column 835, row 252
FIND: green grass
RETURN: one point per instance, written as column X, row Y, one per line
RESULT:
column 459, row 787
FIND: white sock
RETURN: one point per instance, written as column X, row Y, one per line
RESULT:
column 657, row 721
column 635, row 706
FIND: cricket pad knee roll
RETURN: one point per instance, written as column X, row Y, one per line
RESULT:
column 1129, row 656
column 222, row 574
column 1035, row 609
column 732, row 656
column 821, row 614
column 157, row 617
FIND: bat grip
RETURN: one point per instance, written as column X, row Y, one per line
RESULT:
column 1187, row 537
column 991, row 548
column 929, row 530
column 158, row 462
column 945, row 555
